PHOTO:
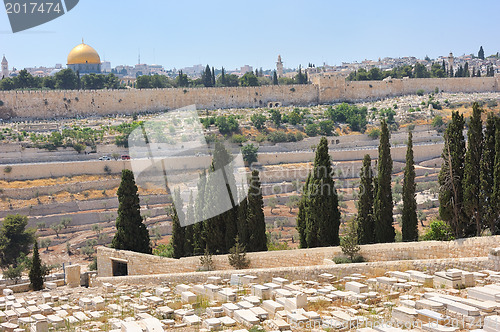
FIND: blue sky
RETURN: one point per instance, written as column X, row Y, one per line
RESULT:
column 238, row 32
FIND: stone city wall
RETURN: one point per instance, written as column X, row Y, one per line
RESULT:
column 141, row 264
column 72, row 103
column 325, row 89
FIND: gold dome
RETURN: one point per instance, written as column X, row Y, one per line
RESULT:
column 83, row 53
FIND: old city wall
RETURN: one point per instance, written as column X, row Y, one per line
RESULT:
column 71, row 103
column 325, row 89
column 141, row 264
column 335, row 88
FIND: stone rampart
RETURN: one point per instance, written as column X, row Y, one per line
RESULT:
column 325, row 89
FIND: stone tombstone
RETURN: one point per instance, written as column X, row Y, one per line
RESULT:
column 73, row 275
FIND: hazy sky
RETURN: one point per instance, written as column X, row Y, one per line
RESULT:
column 233, row 33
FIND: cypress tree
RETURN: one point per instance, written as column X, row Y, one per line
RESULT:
column 366, row 222
column 206, row 77
column 496, row 181
column 487, row 175
column 257, row 239
column 199, row 243
column 275, row 78
column 178, row 236
column 301, row 217
column 35, row 274
column 319, row 220
column 409, row 215
column 189, row 229
column 220, row 230
column 213, row 76
column 480, row 54
column 472, row 165
column 242, row 226
column 223, row 77
column 383, row 204
column 451, row 176
column 466, row 70
column 131, row 233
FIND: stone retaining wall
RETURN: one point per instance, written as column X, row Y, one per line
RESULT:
column 309, row 272
column 141, row 264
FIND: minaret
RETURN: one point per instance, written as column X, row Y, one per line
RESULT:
column 279, row 67
column 5, row 68
column 450, row 61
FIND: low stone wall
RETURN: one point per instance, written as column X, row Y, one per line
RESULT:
column 309, row 272
column 141, row 264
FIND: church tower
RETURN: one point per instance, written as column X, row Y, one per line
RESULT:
column 279, row 67
column 5, row 68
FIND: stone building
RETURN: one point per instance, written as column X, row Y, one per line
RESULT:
column 84, row 59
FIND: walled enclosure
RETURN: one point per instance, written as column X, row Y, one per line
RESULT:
column 323, row 90
column 142, row 264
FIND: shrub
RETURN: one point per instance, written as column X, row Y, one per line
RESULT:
column 93, row 264
column 237, row 256
column 7, row 169
column 238, row 139
column 206, row 262
column 439, row 231
column 277, row 136
column 374, row 133
column 437, row 121
column 349, row 242
column 107, row 169
column 420, row 92
column 311, row 130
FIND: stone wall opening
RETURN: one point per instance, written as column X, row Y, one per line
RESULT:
column 120, row 267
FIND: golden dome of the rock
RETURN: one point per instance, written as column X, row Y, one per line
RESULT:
column 83, row 53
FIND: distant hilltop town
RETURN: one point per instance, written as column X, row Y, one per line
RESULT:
column 85, row 60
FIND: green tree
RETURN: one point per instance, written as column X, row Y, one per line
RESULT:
column 472, row 165
column 206, row 77
column 383, row 203
column 178, row 240
column 496, row 180
column 66, row 79
column 366, row 222
column 249, row 79
column 189, row 228
column 237, row 256
column 438, row 231
column 131, row 233
column 15, row 239
column 275, row 116
column 258, row 120
column 318, row 221
column 257, row 240
column 409, row 215
column 275, row 78
column 480, row 54
column 487, row 175
column 349, row 242
column 199, row 242
column 249, row 152
column 181, row 80
column 451, row 176
column 220, row 230
column 35, row 274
